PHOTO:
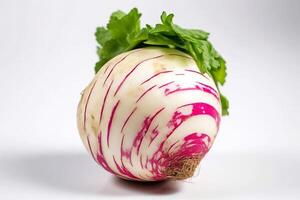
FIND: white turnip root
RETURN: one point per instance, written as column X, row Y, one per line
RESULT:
column 149, row 115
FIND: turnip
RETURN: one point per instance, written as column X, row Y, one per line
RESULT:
column 152, row 113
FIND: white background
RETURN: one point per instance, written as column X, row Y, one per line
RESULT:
column 47, row 55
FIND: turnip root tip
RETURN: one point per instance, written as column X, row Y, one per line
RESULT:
column 182, row 169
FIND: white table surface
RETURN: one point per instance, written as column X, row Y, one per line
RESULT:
column 47, row 54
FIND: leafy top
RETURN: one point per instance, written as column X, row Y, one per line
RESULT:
column 124, row 33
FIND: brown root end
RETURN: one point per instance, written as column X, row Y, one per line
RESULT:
column 183, row 168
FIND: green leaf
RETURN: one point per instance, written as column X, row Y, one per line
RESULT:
column 120, row 26
column 219, row 73
column 124, row 32
column 191, row 35
column 118, row 14
column 225, row 105
column 161, row 40
column 102, row 35
column 121, row 34
column 161, row 28
column 166, row 19
column 136, row 38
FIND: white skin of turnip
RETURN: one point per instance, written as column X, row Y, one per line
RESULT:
column 149, row 114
